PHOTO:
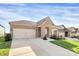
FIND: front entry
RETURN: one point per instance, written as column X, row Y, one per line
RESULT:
column 41, row 32
column 66, row 34
column 47, row 31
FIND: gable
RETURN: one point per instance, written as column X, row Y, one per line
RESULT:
column 1, row 26
column 45, row 22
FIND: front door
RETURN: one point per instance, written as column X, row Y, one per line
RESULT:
column 66, row 34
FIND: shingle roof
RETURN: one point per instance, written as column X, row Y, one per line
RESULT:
column 24, row 22
column 1, row 26
column 72, row 29
column 62, row 27
column 31, row 23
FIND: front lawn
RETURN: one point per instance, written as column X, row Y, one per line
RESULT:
column 1, row 38
column 5, row 44
column 68, row 44
column 5, row 48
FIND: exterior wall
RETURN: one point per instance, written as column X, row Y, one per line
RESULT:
column 78, row 31
column 62, row 33
column 1, row 31
column 58, row 32
column 43, row 29
column 50, row 32
column 45, row 25
column 42, row 32
column 72, row 34
column 53, row 31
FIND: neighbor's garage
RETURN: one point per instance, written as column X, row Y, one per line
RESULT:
column 23, row 33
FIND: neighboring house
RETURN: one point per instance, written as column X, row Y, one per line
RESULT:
column 72, row 31
column 1, row 30
column 77, row 30
column 29, row 29
column 60, row 31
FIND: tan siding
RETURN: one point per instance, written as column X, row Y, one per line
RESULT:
column 23, row 27
column 61, row 33
column 46, row 24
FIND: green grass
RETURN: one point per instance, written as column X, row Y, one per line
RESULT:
column 68, row 44
column 5, row 48
column 1, row 38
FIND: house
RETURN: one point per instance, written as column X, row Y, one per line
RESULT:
column 72, row 31
column 60, row 30
column 1, row 30
column 77, row 30
column 29, row 29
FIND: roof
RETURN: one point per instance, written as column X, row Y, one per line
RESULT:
column 62, row 27
column 23, row 22
column 72, row 29
column 44, row 19
column 31, row 23
column 1, row 26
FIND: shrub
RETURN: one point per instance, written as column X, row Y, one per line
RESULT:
column 53, row 37
column 57, row 37
column 8, row 37
column 45, row 37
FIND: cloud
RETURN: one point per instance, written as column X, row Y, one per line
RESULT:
column 11, row 16
column 67, row 15
column 70, row 19
column 74, row 15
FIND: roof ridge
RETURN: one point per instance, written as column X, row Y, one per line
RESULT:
column 1, row 26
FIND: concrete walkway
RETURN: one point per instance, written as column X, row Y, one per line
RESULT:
column 73, row 39
column 38, row 47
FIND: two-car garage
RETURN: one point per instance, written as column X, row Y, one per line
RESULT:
column 24, row 33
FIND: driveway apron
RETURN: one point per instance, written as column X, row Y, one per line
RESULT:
column 37, row 47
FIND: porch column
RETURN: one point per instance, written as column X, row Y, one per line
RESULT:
column 50, row 32
column 42, row 32
column 36, row 32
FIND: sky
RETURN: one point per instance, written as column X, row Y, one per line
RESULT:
column 60, row 13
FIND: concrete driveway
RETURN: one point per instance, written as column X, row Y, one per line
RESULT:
column 37, row 47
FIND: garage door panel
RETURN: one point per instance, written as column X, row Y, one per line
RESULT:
column 24, row 33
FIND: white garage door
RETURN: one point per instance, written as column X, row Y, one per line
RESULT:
column 23, row 33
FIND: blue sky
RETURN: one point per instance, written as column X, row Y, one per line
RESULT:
column 60, row 13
